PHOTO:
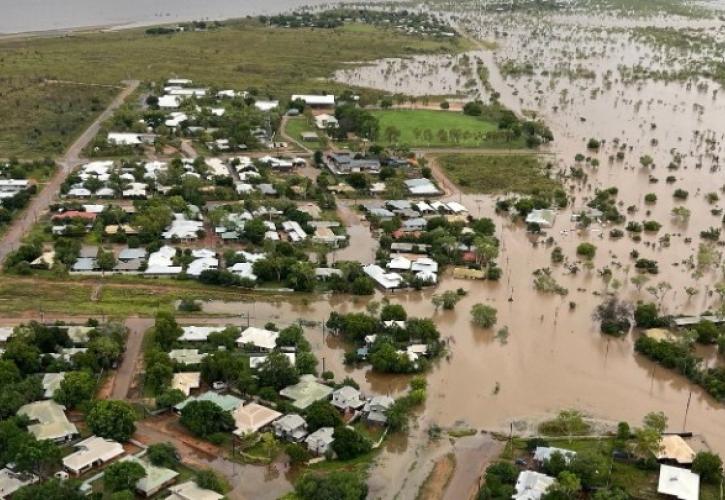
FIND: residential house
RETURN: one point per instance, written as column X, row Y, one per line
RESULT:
column 187, row 356
column 315, row 101
column 675, row 450
column 376, row 410
column 291, row 427
column 543, row 454
column 252, row 418
column 49, row 421
column 91, row 452
column 543, row 217
column 347, row 398
column 51, row 383
column 421, row 187
column 156, row 478
column 678, row 483
column 226, row 402
column 344, row 163
column 198, row 333
column 264, row 340
column 385, row 280
column 11, row 481
column 532, row 485
column 186, row 381
column 306, row 391
column 320, row 441
column 324, row 121
column 191, row 491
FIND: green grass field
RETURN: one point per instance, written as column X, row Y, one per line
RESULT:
column 296, row 126
column 40, row 119
column 490, row 174
column 429, row 128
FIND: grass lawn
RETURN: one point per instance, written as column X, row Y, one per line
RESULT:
column 429, row 128
column 296, row 126
column 517, row 173
column 39, row 119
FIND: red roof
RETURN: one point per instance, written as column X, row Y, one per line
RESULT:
column 469, row 257
column 75, row 214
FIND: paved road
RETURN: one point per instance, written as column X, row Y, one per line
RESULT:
column 71, row 159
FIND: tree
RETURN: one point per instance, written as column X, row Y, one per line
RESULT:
column 392, row 134
column 349, row 443
column 338, row 485
column 204, row 418
column 163, row 455
column 647, row 316
column 112, row 420
column 277, row 372
column 393, row 312
column 75, row 388
column 121, row 476
column 106, row 260
column 614, row 316
column 483, row 315
column 648, row 438
column 568, row 484
column 322, row 414
column 586, row 250
column 590, row 467
column 209, row 480
column 170, row 398
column 447, row 299
column 36, row 456
column 166, row 330
column 709, row 466
column 53, row 489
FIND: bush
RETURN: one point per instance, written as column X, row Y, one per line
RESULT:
column 349, row 443
column 163, row 455
column 483, row 315
column 338, row 485
column 709, row 466
column 121, row 476
column 586, row 250
column 208, row 479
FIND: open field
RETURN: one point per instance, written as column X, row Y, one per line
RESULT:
column 476, row 173
column 428, row 128
column 296, row 126
column 39, row 119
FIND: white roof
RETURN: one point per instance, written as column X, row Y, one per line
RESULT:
column 199, row 333
column 90, row 451
column 217, row 167
column 424, row 264
column 10, row 482
column 51, row 420
column 255, row 361
column 191, row 491
column 264, row 339
column 400, row 263
column 6, row 332
column 544, row 217
column 244, row 270
column 187, row 356
column 51, row 383
column 531, row 485
column 456, row 207
column 169, row 101
column 198, row 266
column 315, row 100
column 186, row 381
column 124, row 138
column 386, row 280
column 266, row 105
column 680, row 483
column 183, row 228
column 543, row 453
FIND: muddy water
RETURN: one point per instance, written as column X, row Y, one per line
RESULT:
column 554, row 356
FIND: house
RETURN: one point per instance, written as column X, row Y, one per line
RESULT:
column 169, row 102
column 187, row 356
column 186, row 381
column 421, row 187
column 306, row 391
column 424, row 264
column 327, row 272
column 183, row 228
column 51, row 383
column 674, row 449
column 198, row 266
column 132, row 254
column 294, row 231
column 377, row 408
column 198, row 333
column 266, row 105
column 385, row 280
column 5, row 333
column 50, row 421
column 10, row 481
column 532, row 485
column 413, row 225
column 90, row 453
column 244, row 270
column 678, row 483
column 320, row 441
column 543, row 454
column 78, row 334
column 344, row 163
column 226, row 402
column 253, row 417
column 156, row 478
column 256, row 361
column 324, row 121
column 347, row 398
column 543, row 217
column 291, row 427
column 315, row 101
column 124, row 139
column 262, row 339
column 399, row 263
column 191, row 491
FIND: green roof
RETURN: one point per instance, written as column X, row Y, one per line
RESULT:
column 306, row 392
column 155, row 478
column 224, row 401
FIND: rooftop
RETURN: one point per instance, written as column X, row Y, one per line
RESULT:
column 252, row 417
column 306, row 391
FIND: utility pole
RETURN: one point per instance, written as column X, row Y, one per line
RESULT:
column 687, row 409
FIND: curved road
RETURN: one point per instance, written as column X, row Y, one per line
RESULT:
column 71, row 159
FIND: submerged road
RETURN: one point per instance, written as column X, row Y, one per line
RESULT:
column 71, row 159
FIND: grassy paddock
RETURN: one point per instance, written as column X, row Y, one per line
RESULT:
column 491, row 174
column 413, row 124
column 41, row 119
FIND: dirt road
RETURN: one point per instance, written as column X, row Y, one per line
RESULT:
column 71, row 159
column 130, row 363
